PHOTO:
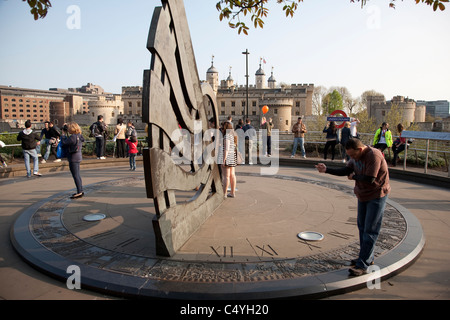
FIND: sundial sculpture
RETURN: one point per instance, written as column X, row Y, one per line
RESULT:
column 173, row 98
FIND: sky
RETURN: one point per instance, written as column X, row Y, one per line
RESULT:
column 330, row 43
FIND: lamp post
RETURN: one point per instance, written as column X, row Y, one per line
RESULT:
column 246, row 75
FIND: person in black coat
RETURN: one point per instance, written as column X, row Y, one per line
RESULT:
column 74, row 144
column 345, row 136
column 331, row 138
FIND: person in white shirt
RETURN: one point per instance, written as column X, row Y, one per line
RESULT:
column 353, row 130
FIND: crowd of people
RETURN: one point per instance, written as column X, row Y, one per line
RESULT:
column 365, row 164
column 71, row 140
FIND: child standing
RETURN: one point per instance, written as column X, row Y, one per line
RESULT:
column 132, row 151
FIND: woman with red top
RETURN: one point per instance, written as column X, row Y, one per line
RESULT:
column 399, row 144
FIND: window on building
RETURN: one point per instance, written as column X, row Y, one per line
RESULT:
column 243, row 103
column 233, row 103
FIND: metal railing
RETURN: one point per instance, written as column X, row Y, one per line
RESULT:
column 315, row 138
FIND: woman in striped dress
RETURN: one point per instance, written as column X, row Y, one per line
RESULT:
column 229, row 160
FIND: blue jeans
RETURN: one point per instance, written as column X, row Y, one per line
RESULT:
column 49, row 148
column 370, row 216
column 26, row 156
column 302, row 146
column 133, row 161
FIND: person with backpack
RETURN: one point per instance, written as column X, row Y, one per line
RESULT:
column 99, row 130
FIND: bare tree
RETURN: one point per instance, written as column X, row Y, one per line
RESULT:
column 319, row 93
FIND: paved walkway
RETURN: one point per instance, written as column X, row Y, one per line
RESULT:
column 427, row 278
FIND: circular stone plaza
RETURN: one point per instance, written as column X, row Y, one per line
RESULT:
column 248, row 249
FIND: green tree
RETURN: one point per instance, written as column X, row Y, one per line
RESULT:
column 331, row 102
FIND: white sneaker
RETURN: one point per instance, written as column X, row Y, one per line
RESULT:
column 57, row 160
column 292, row 156
column 43, row 161
column 102, row 158
column 304, row 157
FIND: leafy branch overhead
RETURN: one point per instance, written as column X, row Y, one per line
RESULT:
column 234, row 10
column 39, row 8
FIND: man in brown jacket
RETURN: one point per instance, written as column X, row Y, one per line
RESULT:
column 299, row 130
column 368, row 168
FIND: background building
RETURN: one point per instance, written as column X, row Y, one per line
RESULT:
column 58, row 105
column 286, row 103
column 436, row 109
column 378, row 108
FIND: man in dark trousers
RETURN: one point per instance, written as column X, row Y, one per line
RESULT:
column 100, row 131
column 368, row 168
column 30, row 140
column 250, row 137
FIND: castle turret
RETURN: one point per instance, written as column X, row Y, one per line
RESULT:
column 272, row 82
column 212, row 76
column 260, row 78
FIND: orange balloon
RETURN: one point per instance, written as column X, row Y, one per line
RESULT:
column 265, row 109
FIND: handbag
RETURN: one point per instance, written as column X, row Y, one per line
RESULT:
column 115, row 137
column 61, row 151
